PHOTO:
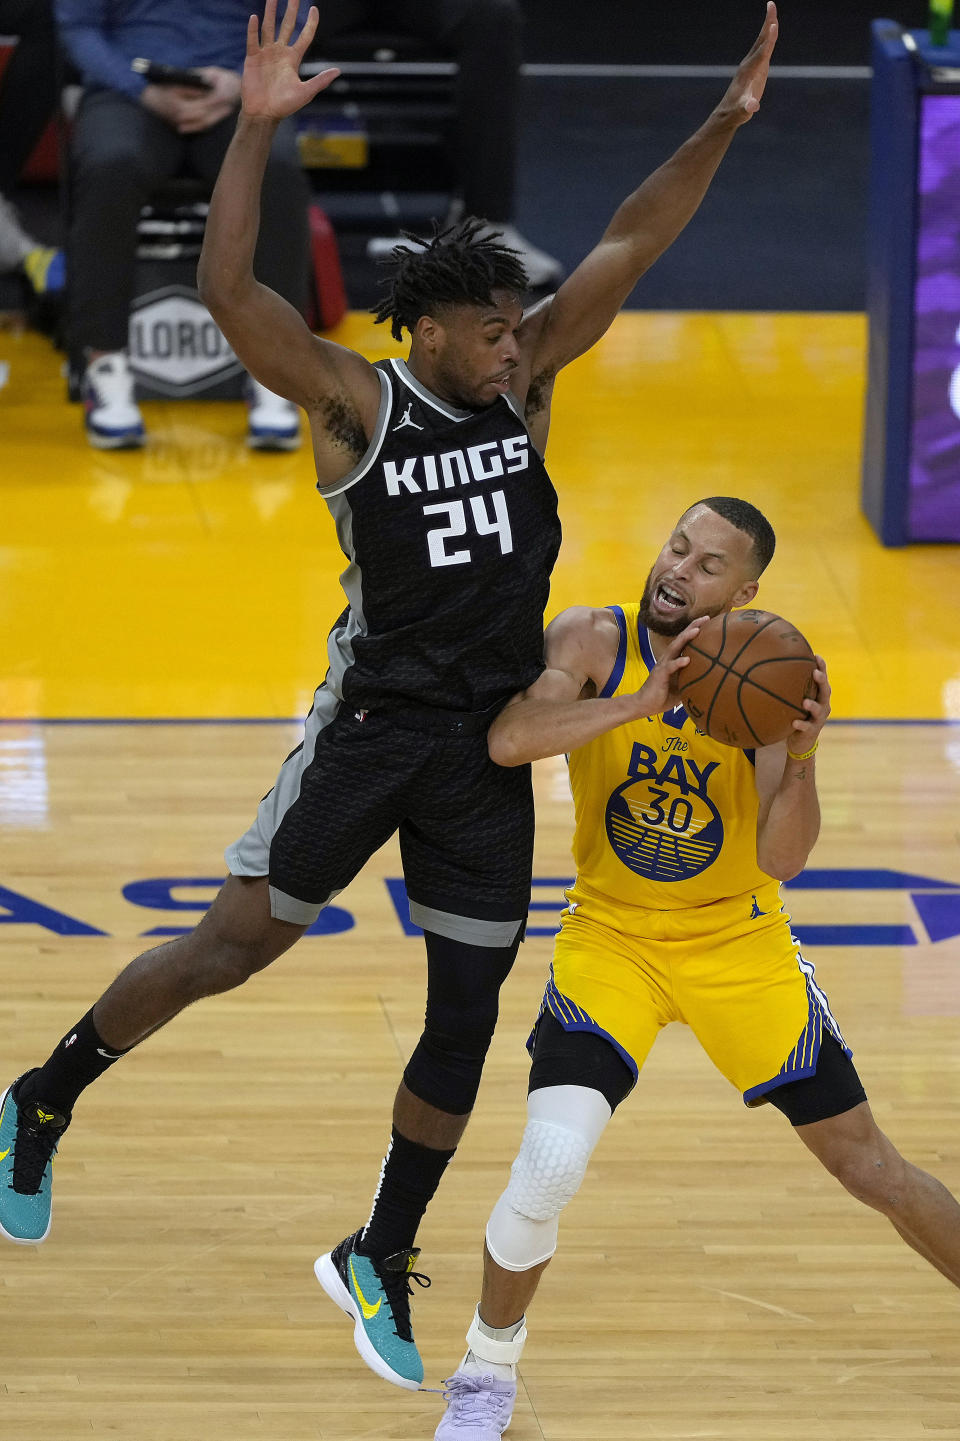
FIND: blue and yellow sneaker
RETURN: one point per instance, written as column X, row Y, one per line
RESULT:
column 28, row 1144
column 377, row 1295
column 46, row 269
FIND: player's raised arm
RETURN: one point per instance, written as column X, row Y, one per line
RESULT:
column 650, row 219
column 269, row 335
column 563, row 709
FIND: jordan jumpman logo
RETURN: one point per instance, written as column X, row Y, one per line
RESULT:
column 405, row 420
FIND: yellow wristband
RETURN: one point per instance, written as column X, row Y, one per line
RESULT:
column 806, row 755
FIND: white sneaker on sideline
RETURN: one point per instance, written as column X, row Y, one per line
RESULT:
column 273, row 423
column 542, row 269
column 111, row 416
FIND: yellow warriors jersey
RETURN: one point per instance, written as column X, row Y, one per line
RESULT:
column 666, row 818
column 670, row 917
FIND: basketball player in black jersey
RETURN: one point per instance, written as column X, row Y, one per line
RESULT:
column 434, row 475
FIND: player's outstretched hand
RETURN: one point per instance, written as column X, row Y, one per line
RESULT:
column 805, row 733
column 271, row 87
column 745, row 90
column 660, row 689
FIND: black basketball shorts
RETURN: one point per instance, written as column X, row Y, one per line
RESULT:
column 465, row 824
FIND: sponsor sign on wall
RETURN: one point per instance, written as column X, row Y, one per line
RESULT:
column 176, row 347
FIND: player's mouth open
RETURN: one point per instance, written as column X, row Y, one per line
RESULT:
column 668, row 598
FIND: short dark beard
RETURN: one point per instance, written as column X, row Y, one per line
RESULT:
column 653, row 622
column 451, row 383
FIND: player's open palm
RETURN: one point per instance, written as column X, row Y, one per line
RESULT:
column 271, row 88
column 745, row 91
column 660, row 690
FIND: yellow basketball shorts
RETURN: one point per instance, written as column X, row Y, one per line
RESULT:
column 732, row 971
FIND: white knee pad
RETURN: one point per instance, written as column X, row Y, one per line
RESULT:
column 564, row 1125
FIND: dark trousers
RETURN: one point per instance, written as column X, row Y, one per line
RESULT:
column 120, row 153
column 28, row 89
column 483, row 36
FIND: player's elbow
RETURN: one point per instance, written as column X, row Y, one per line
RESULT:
column 221, row 292
column 503, row 747
column 780, row 865
column 209, row 291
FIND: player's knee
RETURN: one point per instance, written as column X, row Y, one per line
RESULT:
column 219, row 957
column 873, row 1172
column 446, row 1068
column 120, row 170
column 213, row 970
column 544, row 1178
column 548, row 1171
column 515, row 1242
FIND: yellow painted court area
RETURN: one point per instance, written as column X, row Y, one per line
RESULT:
column 198, row 579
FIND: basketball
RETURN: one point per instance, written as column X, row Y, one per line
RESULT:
column 749, row 674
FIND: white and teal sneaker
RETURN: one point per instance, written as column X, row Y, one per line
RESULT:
column 28, row 1144
column 377, row 1295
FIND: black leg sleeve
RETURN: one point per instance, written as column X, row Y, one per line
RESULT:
column 463, row 1002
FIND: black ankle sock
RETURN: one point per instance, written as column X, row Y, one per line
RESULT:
column 80, row 1058
column 409, row 1176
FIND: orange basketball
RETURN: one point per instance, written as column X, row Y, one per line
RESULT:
column 749, row 674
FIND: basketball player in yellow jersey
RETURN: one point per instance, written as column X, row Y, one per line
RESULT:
column 675, row 915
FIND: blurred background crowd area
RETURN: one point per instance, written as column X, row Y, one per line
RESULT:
column 606, row 92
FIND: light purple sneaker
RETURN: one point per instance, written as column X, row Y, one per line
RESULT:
column 478, row 1408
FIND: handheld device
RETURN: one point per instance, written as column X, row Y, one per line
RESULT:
column 170, row 74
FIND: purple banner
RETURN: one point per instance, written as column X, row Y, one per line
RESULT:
column 934, row 505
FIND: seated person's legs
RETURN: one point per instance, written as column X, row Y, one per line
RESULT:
column 483, row 36
column 120, row 151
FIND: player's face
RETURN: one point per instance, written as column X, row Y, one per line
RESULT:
column 707, row 567
column 477, row 350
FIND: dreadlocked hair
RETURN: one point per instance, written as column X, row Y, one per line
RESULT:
column 462, row 265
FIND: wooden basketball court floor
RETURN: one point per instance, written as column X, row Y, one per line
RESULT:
column 161, row 615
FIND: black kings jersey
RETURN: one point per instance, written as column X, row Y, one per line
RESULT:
column 450, row 527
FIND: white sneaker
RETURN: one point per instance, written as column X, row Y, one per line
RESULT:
column 111, row 415
column 542, row 269
column 381, row 247
column 273, row 423
column 478, row 1408
column 15, row 243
